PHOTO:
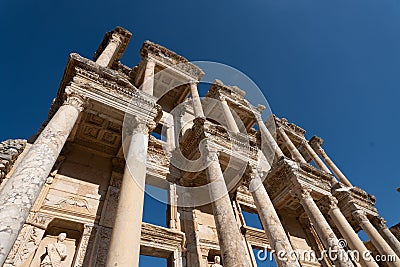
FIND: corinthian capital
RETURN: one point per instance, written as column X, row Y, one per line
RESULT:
column 136, row 125
column 301, row 192
column 115, row 38
column 379, row 222
column 211, row 152
column 74, row 99
column 360, row 216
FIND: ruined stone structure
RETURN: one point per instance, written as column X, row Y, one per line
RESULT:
column 84, row 175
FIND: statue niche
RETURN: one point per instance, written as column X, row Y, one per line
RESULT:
column 55, row 253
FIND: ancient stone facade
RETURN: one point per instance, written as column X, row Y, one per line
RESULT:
column 76, row 191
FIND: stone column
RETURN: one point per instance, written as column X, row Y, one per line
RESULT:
column 230, row 120
column 265, row 134
column 320, row 224
column 315, row 157
column 23, row 187
column 173, row 208
column 353, row 240
column 197, row 107
column 148, row 80
column 376, row 239
column 124, row 247
column 271, row 222
column 385, row 232
column 229, row 236
column 107, row 56
column 316, row 144
column 170, row 136
column 289, row 144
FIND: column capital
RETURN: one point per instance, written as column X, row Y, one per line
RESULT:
column 192, row 81
column 74, row 99
column 134, row 125
column 379, row 222
column 328, row 203
column 150, row 60
column 115, row 38
column 360, row 216
column 211, row 152
column 301, row 192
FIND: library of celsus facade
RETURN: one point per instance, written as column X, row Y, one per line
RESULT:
column 73, row 195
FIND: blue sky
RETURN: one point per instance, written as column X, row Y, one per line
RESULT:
column 332, row 67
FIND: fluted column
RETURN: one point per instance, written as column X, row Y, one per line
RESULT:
column 107, row 56
column 148, row 80
column 338, row 173
column 320, row 224
column 266, row 135
column 292, row 149
column 353, row 240
column 376, row 239
column 229, row 237
column 23, row 187
column 385, row 232
column 124, row 247
column 271, row 222
column 197, row 107
column 230, row 120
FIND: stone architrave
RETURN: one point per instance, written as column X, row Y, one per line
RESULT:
column 23, row 187
column 124, row 247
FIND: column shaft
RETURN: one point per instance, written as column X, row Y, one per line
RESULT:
column 315, row 157
column 376, row 239
column 271, row 222
column 229, row 237
column 351, row 237
column 321, row 225
column 124, row 247
column 391, row 239
column 265, row 134
column 333, row 167
column 23, row 187
column 197, row 107
column 107, row 56
column 148, row 80
column 385, row 232
column 230, row 120
column 289, row 144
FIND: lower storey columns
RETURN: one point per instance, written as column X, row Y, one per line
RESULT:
column 22, row 189
column 271, row 222
column 229, row 237
column 385, row 232
column 322, row 227
column 124, row 247
column 351, row 237
column 376, row 239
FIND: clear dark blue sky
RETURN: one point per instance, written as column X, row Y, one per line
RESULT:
column 332, row 67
